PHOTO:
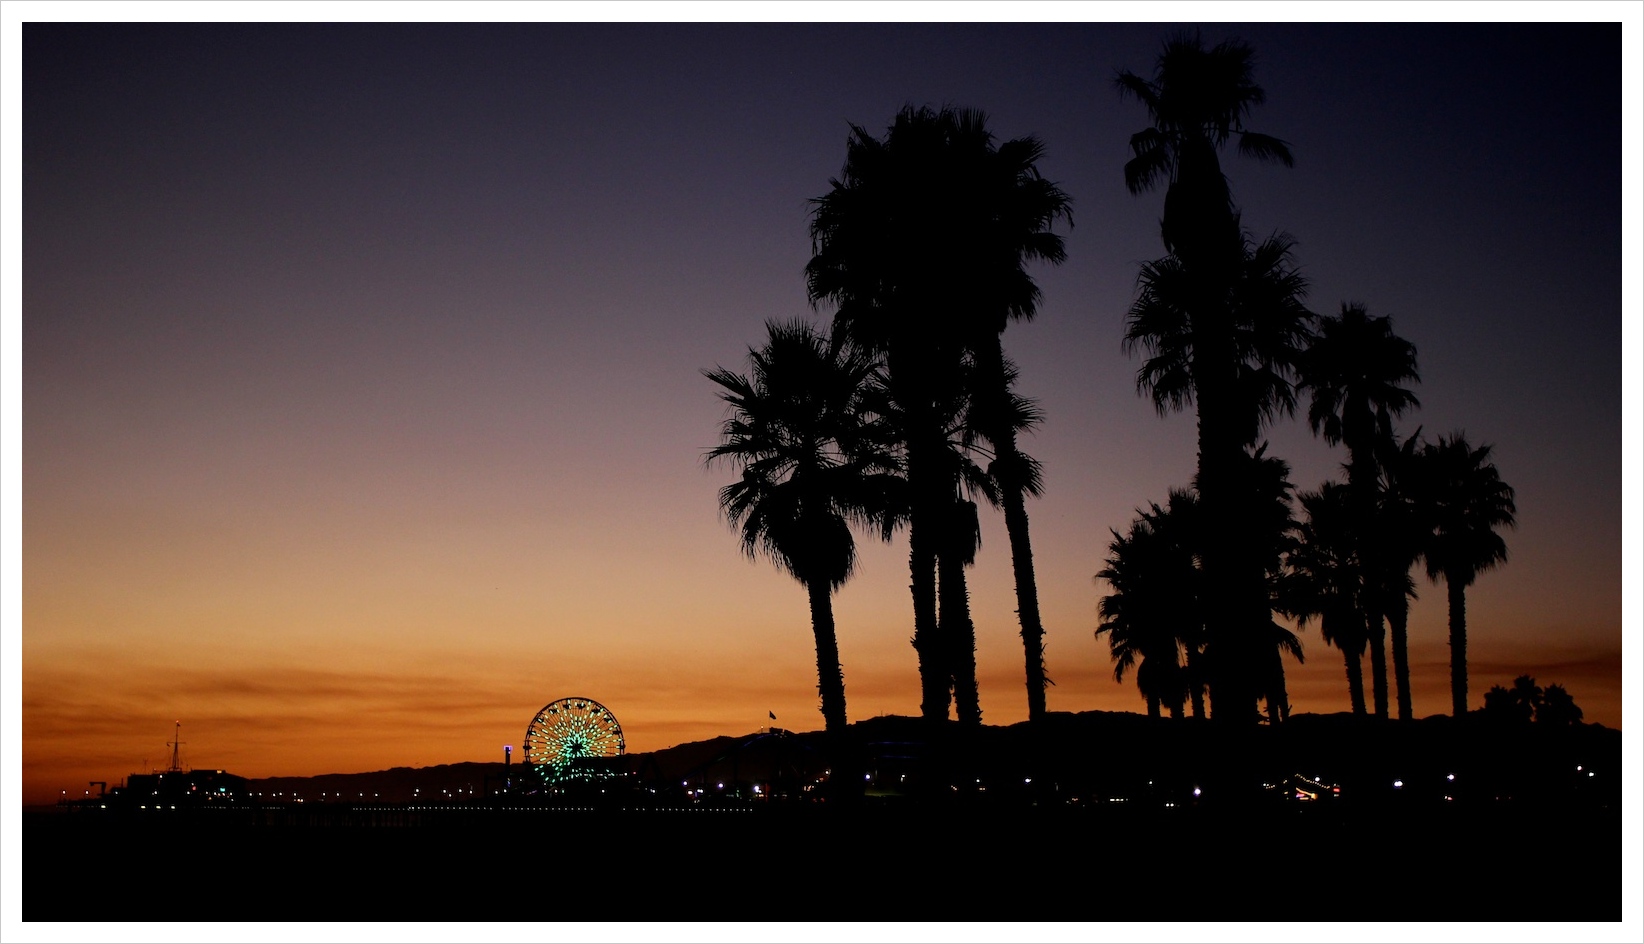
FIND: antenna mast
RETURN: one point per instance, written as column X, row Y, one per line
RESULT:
column 176, row 743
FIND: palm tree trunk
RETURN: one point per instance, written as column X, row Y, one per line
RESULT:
column 1212, row 481
column 1232, row 582
column 1027, row 600
column 1378, row 663
column 830, row 678
column 925, row 527
column 1278, row 696
column 959, row 634
column 1010, row 471
column 1201, row 228
column 1458, row 646
column 933, row 673
column 1361, row 482
column 1398, row 617
column 910, row 387
column 1195, row 681
column 1355, row 679
column 1153, row 706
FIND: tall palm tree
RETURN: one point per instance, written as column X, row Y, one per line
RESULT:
column 890, row 301
column 1403, row 527
column 1397, row 588
column 1323, row 580
column 1355, row 369
column 920, row 245
column 812, row 462
column 1197, row 100
column 1014, row 210
column 1266, row 326
column 985, row 429
column 1468, row 501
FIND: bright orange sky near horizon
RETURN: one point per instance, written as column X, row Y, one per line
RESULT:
column 362, row 411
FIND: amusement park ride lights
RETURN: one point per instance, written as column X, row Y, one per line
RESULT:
column 568, row 738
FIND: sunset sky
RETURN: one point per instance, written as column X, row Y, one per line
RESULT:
column 361, row 396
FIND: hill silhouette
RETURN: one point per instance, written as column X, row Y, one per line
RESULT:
column 1076, row 758
column 1089, row 817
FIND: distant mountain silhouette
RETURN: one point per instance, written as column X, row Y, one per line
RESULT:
column 1095, row 800
column 1073, row 758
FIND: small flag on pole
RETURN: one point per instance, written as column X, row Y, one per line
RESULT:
column 773, row 716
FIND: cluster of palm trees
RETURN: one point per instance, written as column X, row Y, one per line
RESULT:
column 1526, row 701
column 904, row 412
column 1195, row 584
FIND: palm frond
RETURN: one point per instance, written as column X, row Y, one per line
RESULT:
column 1265, row 147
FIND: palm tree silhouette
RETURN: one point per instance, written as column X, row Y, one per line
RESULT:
column 813, row 460
column 1323, row 580
column 1354, row 369
column 1528, row 697
column 958, row 527
column 877, row 206
column 1153, row 615
column 1263, row 326
column 920, row 246
column 1500, row 705
column 1267, row 482
column 1403, row 527
column 1012, row 210
column 1557, row 707
column 1521, row 704
column 1156, row 612
column 959, row 538
column 1197, row 100
column 1468, row 501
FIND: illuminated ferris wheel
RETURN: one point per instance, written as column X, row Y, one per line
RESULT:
column 569, row 737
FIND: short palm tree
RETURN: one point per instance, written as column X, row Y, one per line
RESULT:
column 1273, row 526
column 1156, row 613
column 1557, row 707
column 1323, row 580
column 1528, row 696
column 813, row 461
column 1463, row 492
column 1152, row 615
column 1355, row 369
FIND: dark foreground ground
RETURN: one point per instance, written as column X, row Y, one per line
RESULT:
column 1296, row 862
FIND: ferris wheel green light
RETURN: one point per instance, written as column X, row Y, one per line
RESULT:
column 568, row 733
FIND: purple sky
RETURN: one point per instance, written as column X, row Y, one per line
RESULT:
column 361, row 364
